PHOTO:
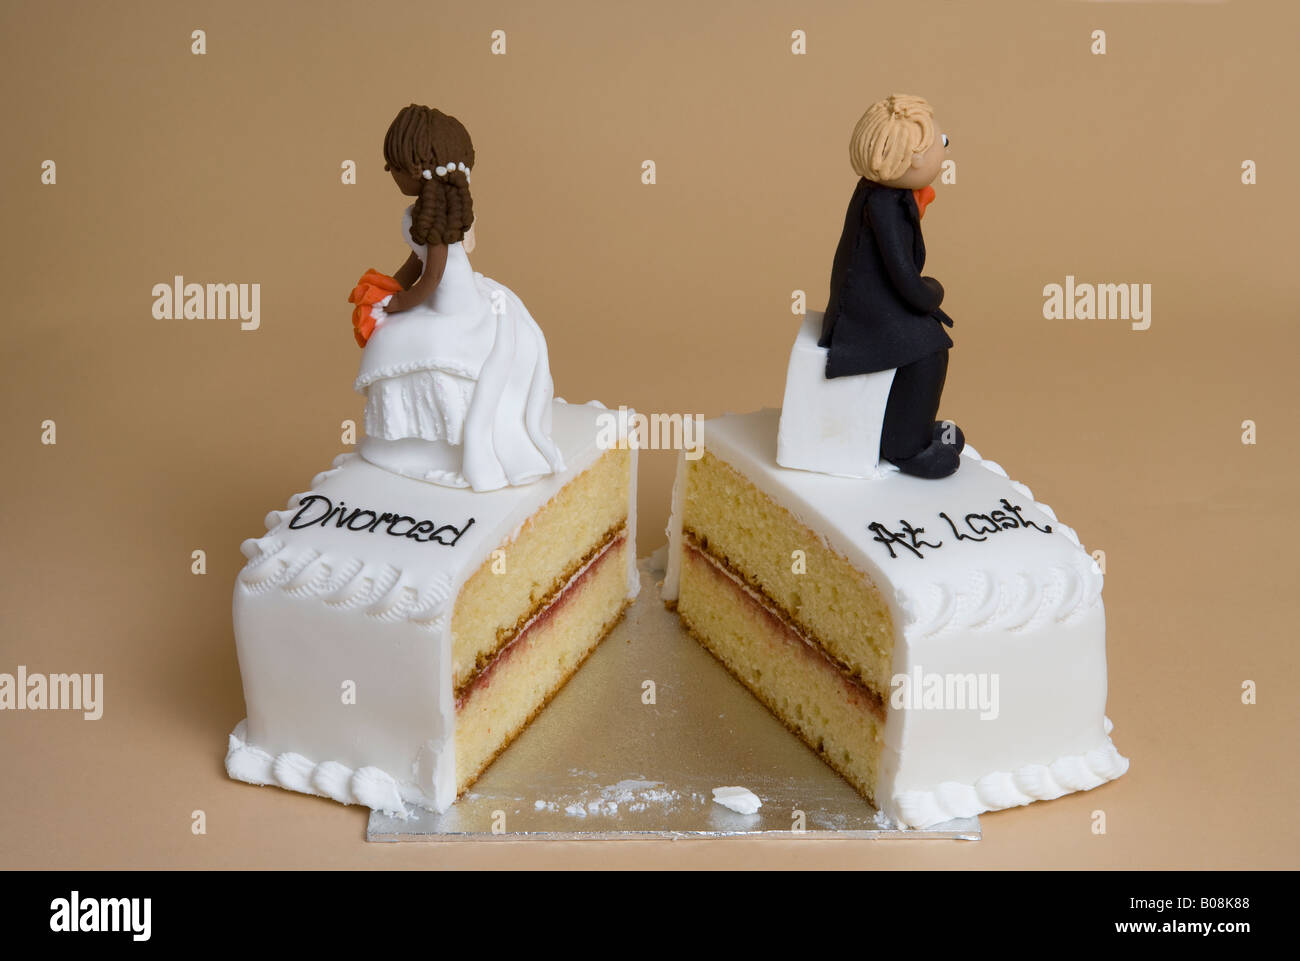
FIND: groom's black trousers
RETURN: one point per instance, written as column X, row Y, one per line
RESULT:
column 913, row 406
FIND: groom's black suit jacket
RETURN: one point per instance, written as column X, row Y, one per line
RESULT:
column 882, row 313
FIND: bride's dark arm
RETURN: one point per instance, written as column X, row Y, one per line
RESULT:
column 409, row 272
column 423, row 288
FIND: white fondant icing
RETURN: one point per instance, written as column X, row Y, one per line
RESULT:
column 1020, row 604
column 368, row 785
column 739, row 799
column 673, row 562
column 1003, row 789
column 321, row 611
column 831, row 425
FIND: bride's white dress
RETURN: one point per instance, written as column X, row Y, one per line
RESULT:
column 458, row 389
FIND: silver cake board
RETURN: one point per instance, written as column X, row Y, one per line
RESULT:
column 633, row 746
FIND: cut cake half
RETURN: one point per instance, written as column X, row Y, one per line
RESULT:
column 940, row 644
column 395, row 636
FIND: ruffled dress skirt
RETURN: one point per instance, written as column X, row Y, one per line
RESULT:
column 428, row 404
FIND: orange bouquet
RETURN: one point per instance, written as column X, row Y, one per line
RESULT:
column 370, row 290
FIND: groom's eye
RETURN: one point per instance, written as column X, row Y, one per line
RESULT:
column 945, row 139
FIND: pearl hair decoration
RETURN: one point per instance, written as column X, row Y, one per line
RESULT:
column 442, row 171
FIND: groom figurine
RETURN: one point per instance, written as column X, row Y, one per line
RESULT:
column 882, row 313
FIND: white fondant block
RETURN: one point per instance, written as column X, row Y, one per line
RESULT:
column 830, row 425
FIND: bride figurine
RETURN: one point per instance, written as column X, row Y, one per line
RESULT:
column 455, row 373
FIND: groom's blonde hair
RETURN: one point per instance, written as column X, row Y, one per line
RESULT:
column 888, row 134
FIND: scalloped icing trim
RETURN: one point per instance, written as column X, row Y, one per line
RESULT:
column 1006, row 789
column 381, row 590
column 368, row 786
column 1014, row 603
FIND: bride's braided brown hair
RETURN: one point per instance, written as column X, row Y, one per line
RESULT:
column 422, row 138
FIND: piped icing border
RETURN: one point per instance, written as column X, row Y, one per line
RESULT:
column 381, row 590
column 1013, row 601
column 999, row 790
column 370, row 786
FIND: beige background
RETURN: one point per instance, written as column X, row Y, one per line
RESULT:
column 177, row 435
